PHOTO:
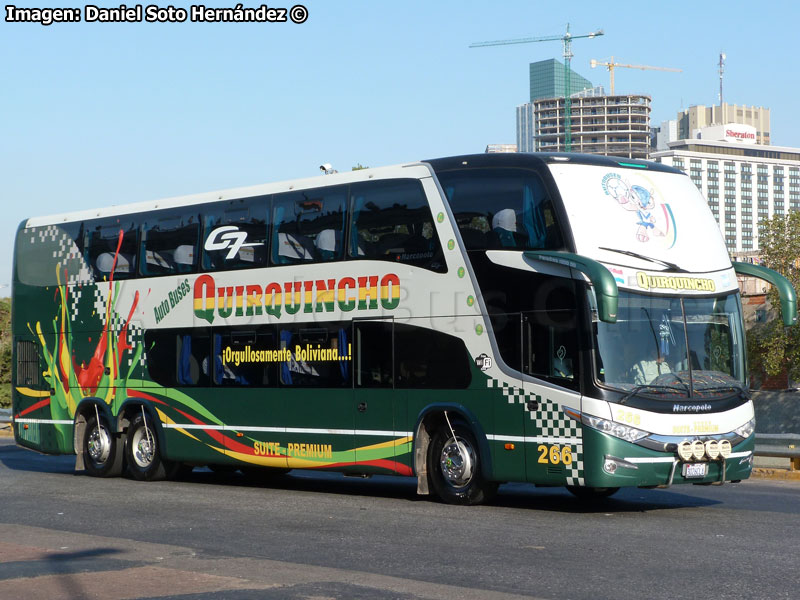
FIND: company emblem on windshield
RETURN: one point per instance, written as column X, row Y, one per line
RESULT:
column 229, row 237
column 651, row 216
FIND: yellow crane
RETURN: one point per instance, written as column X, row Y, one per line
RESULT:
column 611, row 65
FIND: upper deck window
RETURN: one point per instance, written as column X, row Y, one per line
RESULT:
column 501, row 209
column 113, row 246
column 169, row 243
column 235, row 234
column 308, row 226
column 391, row 220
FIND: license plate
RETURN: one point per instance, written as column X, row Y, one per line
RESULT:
column 690, row 471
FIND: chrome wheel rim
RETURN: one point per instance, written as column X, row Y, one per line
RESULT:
column 457, row 462
column 144, row 447
column 98, row 445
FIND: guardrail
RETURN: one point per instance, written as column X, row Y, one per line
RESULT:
column 779, row 445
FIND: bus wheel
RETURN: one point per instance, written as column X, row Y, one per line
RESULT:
column 142, row 453
column 454, row 466
column 592, row 493
column 101, row 450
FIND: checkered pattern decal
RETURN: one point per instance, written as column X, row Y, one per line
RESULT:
column 68, row 259
column 552, row 424
column 66, row 254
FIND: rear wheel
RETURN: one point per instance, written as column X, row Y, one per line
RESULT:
column 454, row 466
column 102, row 451
column 142, row 452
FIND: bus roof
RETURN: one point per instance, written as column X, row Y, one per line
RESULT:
column 542, row 159
column 529, row 160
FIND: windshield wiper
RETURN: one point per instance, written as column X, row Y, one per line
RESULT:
column 645, row 386
column 670, row 265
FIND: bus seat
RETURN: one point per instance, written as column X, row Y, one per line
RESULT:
column 157, row 263
column 184, row 255
column 105, row 262
column 504, row 226
column 294, row 248
column 328, row 243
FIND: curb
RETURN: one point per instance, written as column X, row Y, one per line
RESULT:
column 781, row 474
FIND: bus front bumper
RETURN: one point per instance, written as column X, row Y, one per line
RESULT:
column 612, row 462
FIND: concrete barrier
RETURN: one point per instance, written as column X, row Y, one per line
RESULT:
column 777, row 412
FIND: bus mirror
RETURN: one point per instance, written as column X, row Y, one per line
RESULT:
column 605, row 287
column 785, row 290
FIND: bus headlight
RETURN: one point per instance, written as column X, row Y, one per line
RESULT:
column 698, row 450
column 725, row 448
column 618, row 430
column 712, row 449
column 747, row 429
column 685, row 451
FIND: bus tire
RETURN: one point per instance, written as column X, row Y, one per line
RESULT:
column 454, row 467
column 102, row 451
column 592, row 493
column 142, row 452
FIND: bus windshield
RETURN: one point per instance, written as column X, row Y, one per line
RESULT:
column 678, row 346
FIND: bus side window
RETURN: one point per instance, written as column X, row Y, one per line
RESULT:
column 391, row 220
column 169, row 244
column 426, row 358
column 235, row 234
column 308, row 226
column 245, row 356
column 500, row 208
column 372, row 362
column 178, row 357
column 315, row 355
column 113, row 245
column 43, row 254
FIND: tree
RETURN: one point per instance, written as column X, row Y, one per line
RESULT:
column 773, row 348
column 5, row 352
column 358, row 167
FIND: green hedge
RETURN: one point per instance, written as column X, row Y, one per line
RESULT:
column 5, row 352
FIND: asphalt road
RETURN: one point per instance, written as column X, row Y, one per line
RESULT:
column 325, row 536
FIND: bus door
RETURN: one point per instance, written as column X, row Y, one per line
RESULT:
column 375, row 400
column 550, row 353
column 315, row 385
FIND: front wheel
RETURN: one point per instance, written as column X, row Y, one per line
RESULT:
column 102, row 452
column 454, row 467
column 142, row 452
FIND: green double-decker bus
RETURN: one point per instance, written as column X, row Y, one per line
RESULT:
column 558, row 319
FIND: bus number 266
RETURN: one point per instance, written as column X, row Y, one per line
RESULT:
column 555, row 454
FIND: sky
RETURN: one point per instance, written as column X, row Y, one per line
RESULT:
column 100, row 114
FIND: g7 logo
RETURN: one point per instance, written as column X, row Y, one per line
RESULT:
column 228, row 236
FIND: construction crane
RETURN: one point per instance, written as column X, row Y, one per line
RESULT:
column 566, row 40
column 611, row 65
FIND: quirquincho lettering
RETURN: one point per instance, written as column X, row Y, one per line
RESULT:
column 695, row 284
column 291, row 297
